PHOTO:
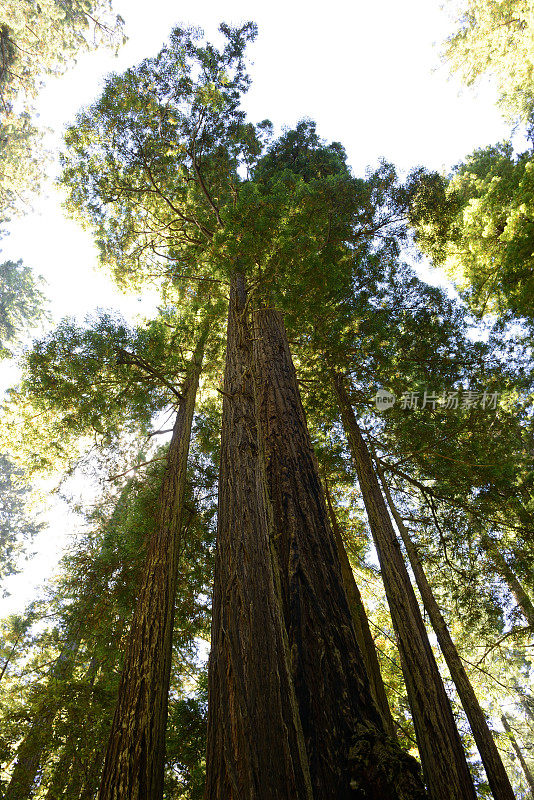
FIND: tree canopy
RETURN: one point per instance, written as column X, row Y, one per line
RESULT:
column 39, row 40
column 261, row 520
column 495, row 39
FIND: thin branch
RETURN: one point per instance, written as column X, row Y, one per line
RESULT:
column 513, row 632
column 137, row 466
column 137, row 361
column 156, row 433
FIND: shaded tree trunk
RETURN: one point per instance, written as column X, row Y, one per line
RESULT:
column 519, row 753
column 134, row 762
column 497, row 777
column 442, row 756
column 30, row 751
column 361, row 625
column 503, row 569
column 67, row 777
column 90, row 780
column 255, row 747
column 10, row 656
column 527, row 702
column 349, row 753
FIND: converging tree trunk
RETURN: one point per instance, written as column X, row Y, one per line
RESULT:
column 255, row 746
column 349, row 753
column 32, row 748
column 497, row 777
column 442, row 756
column 64, row 769
column 504, row 570
column 361, row 624
column 519, row 753
column 134, row 762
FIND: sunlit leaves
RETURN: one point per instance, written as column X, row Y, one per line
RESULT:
column 38, row 40
column 153, row 164
column 496, row 38
column 21, row 304
column 479, row 225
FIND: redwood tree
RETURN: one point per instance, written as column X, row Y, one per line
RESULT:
column 136, row 751
column 442, row 755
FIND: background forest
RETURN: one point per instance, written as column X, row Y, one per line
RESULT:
column 307, row 452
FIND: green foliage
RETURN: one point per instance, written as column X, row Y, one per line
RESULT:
column 21, row 303
column 495, row 38
column 21, row 164
column 180, row 188
column 153, row 164
column 186, row 745
column 478, row 225
column 17, row 523
column 66, row 713
column 38, row 40
column 102, row 380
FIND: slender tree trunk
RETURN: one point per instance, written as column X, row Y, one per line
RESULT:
column 134, row 762
column 442, row 756
column 527, row 702
column 255, row 747
column 361, row 625
column 497, row 777
column 30, row 751
column 10, row 656
column 66, row 774
column 503, row 569
column 519, row 753
column 349, row 753
column 90, row 781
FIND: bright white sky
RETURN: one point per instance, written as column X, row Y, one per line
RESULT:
column 368, row 73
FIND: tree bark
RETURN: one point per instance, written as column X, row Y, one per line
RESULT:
column 521, row 758
column 503, row 569
column 442, row 756
column 497, row 777
column 10, row 656
column 255, row 747
column 134, row 762
column 361, row 625
column 349, row 753
column 30, row 751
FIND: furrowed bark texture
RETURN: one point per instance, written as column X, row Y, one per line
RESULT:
column 361, row 625
column 255, row 745
column 519, row 753
column 32, row 748
column 503, row 569
column 134, row 762
column 442, row 756
column 497, row 777
column 349, row 753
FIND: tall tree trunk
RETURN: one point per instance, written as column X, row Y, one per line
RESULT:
column 503, row 569
column 361, row 625
column 10, row 656
column 497, row 777
column 517, row 750
column 60, row 777
column 349, row 753
column 442, row 756
column 91, row 778
column 255, row 747
column 30, row 751
column 63, row 769
column 527, row 703
column 134, row 762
